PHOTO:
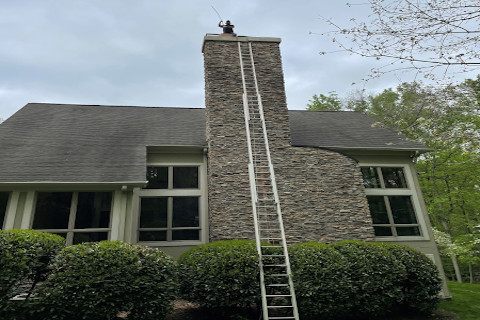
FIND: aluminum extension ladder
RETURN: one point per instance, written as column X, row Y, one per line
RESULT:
column 278, row 294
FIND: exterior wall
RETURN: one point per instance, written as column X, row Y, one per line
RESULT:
column 427, row 244
column 321, row 192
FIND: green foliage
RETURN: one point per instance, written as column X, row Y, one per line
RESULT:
column 354, row 279
column 376, row 277
column 97, row 280
column 422, row 283
column 321, row 102
column 322, row 282
column 221, row 275
column 25, row 257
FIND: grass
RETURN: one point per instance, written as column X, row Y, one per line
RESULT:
column 465, row 301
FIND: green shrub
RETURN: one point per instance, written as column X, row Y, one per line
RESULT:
column 422, row 284
column 322, row 285
column 221, row 275
column 376, row 277
column 24, row 262
column 97, row 280
column 24, row 259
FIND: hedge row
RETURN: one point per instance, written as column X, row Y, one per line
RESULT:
column 87, row 281
column 349, row 279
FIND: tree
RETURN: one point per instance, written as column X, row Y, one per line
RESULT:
column 322, row 102
column 429, row 36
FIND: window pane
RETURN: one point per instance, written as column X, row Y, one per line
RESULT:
column 3, row 206
column 80, row 237
column 93, row 210
column 157, row 178
column 153, row 212
column 185, row 234
column 408, row 231
column 383, row 231
column 185, row 177
column 402, row 210
column 370, row 177
column 52, row 210
column 153, row 236
column 394, row 178
column 185, row 212
column 378, row 210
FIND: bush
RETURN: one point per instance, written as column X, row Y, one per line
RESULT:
column 376, row 276
column 221, row 275
column 360, row 280
column 24, row 260
column 98, row 280
column 321, row 280
column 422, row 284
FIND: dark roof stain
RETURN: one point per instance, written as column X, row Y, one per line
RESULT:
column 89, row 143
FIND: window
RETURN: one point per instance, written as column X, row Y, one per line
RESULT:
column 170, row 204
column 77, row 216
column 391, row 202
column 3, row 207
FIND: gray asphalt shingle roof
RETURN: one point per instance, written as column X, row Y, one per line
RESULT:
column 78, row 143
column 343, row 130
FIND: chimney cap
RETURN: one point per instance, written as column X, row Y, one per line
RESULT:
column 217, row 37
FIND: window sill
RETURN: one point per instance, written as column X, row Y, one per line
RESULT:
column 178, row 243
column 400, row 239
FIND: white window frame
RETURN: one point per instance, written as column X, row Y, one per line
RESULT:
column 70, row 230
column 410, row 191
column 200, row 192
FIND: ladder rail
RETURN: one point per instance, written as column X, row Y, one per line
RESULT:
column 254, row 191
column 251, row 173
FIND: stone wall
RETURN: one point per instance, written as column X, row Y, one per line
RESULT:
column 321, row 192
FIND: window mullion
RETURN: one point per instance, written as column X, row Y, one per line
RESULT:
column 380, row 177
column 71, row 219
column 390, row 216
column 170, row 178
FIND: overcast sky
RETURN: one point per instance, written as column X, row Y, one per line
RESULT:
column 148, row 52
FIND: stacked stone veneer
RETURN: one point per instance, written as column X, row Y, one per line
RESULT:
column 321, row 192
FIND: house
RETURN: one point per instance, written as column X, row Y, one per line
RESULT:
column 174, row 178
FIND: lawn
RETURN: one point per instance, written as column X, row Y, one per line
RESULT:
column 465, row 301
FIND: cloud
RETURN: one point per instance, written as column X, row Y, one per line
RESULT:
column 148, row 52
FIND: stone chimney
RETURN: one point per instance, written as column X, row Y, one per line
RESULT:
column 320, row 191
column 229, row 193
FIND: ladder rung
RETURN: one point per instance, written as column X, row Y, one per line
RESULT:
column 274, row 265
column 271, row 246
column 278, row 307
column 279, row 318
column 278, row 285
column 273, row 255
column 277, row 275
column 278, row 295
